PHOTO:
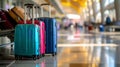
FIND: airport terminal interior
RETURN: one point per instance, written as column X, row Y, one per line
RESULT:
column 88, row 32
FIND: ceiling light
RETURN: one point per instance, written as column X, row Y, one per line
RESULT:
column 73, row 16
column 75, row 0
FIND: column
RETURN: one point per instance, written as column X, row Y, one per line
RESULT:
column 88, row 6
column 21, row 3
column 2, row 4
column 18, row 2
column 102, row 9
column 117, row 8
column 94, row 4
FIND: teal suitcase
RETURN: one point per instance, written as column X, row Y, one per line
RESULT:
column 27, row 40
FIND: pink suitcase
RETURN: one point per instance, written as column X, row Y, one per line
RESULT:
column 42, row 33
column 43, row 48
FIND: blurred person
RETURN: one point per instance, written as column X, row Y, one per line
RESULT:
column 7, row 6
column 101, row 28
column 61, row 26
column 65, row 23
column 90, row 27
column 108, row 20
column 80, row 25
column 76, row 25
column 85, row 26
column 68, row 24
column 58, row 26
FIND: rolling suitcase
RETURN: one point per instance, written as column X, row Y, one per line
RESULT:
column 51, row 33
column 27, row 39
column 42, row 34
column 43, row 40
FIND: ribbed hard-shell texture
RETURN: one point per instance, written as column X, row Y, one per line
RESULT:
column 27, row 39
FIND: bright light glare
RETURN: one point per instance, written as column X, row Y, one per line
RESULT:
column 73, row 16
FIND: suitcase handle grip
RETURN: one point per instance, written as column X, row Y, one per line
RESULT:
column 37, row 7
column 49, row 7
column 29, row 6
column 37, row 10
column 45, row 4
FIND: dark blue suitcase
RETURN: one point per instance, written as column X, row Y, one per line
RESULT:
column 51, row 32
column 51, row 35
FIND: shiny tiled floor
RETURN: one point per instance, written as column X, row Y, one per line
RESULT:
column 77, row 49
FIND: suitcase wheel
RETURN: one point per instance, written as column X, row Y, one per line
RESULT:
column 18, row 57
column 43, row 55
column 54, row 54
column 35, row 57
column 38, row 57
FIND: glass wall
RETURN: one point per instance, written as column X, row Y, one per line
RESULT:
column 6, row 4
column 108, row 12
column 111, row 10
column 107, row 2
column 98, row 17
column 111, row 14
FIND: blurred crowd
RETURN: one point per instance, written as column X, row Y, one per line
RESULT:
column 67, row 24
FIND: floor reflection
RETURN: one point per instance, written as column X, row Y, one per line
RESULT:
column 43, row 62
column 76, row 49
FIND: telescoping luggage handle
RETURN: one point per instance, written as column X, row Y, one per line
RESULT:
column 26, row 6
column 37, row 11
column 49, row 9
